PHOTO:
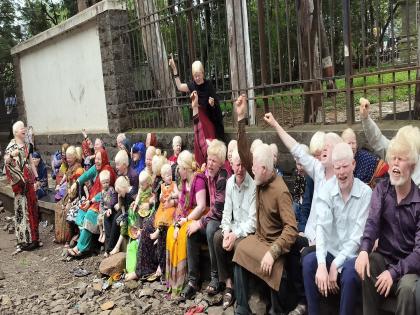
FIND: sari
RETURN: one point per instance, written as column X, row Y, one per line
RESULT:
column 176, row 249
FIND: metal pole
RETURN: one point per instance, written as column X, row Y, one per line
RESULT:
column 263, row 49
column 348, row 61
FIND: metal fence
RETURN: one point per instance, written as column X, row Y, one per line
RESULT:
column 310, row 60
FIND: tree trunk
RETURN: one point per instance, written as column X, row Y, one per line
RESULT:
column 81, row 5
column 309, row 41
column 157, row 59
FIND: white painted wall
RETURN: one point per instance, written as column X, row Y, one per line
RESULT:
column 62, row 82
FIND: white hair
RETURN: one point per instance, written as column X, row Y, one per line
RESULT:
column 186, row 160
column 342, row 152
column 235, row 156
column 197, row 66
column 122, row 183
column 165, row 169
column 104, row 175
column 233, row 144
column 264, row 156
column 217, row 148
column 17, row 126
column 348, row 133
column 405, row 143
column 121, row 137
column 316, row 144
column 122, row 158
column 274, row 149
column 158, row 161
column 254, row 144
column 332, row 138
column 71, row 150
column 411, row 133
column 145, row 177
column 177, row 140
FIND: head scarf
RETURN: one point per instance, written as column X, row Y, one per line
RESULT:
column 139, row 165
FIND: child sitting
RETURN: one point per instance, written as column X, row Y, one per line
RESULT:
column 107, row 199
column 122, row 187
column 131, row 222
column 168, row 201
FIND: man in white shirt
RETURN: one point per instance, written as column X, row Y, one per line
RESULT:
column 238, row 221
column 342, row 209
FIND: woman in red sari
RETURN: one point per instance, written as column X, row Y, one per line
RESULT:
column 22, row 178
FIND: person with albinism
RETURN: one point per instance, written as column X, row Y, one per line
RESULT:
column 393, row 269
column 342, row 208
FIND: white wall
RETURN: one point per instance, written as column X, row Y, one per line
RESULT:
column 62, row 82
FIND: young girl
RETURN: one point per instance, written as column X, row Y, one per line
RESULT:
column 107, row 199
column 168, row 202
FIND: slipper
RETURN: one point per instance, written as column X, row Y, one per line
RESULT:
column 154, row 277
column 228, row 298
column 214, row 287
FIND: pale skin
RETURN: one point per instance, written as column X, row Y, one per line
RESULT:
column 400, row 170
column 198, row 78
column 327, row 281
column 105, row 186
column 121, row 194
column 261, row 173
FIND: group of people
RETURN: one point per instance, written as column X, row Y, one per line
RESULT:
column 350, row 225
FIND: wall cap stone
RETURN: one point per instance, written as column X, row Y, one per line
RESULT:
column 73, row 22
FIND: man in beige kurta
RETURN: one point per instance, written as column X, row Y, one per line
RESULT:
column 262, row 254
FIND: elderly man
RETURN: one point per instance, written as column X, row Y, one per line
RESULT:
column 377, row 140
column 206, row 227
column 394, row 218
column 262, row 254
column 342, row 208
column 238, row 221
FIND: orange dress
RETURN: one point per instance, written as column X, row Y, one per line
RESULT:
column 165, row 216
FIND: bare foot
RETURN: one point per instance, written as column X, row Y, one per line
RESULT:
column 114, row 251
column 155, row 234
column 131, row 276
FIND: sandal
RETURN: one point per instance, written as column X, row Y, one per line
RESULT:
column 154, row 277
column 214, row 287
column 299, row 310
column 188, row 293
column 228, row 298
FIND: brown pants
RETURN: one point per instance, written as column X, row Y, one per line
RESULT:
column 404, row 289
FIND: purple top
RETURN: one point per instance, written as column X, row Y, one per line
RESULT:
column 217, row 193
column 187, row 200
column 397, row 226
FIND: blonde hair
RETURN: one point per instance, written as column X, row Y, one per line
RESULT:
column 342, row 151
column 71, row 150
column 79, row 154
column 255, row 144
column 104, row 175
column 274, row 149
column 177, row 140
column 410, row 133
column 122, row 183
column 317, row 142
column 144, row 177
column 197, row 66
column 165, row 169
column 347, row 133
column 157, row 162
column 405, row 142
column 233, row 144
column 264, row 156
column 217, row 148
column 236, row 156
column 122, row 158
column 121, row 137
column 17, row 126
column 152, row 150
column 186, row 160
column 332, row 138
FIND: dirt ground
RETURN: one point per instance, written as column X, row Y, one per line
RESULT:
column 41, row 282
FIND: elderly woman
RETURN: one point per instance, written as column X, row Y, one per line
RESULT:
column 207, row 99
column 20, row 175
column 41, row 184
column 88, row 221
column 369, row 167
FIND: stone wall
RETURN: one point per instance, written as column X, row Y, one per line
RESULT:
column 48, row 144
column 116, row 67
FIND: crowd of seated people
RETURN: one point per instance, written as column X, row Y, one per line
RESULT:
column 349, row 226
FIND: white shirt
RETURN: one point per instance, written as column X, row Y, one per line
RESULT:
column 316, row 171
column 239, row 213
column 340, row 225
column 380, row 143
